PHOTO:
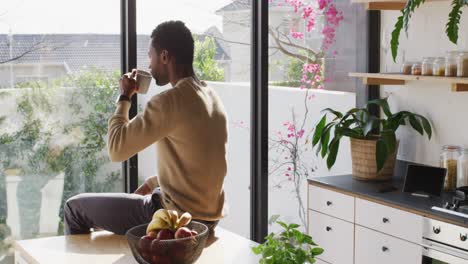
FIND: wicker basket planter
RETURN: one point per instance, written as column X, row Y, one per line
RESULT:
column 364, row 163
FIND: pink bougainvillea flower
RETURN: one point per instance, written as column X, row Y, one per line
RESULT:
column 300, row 133
column 297, row 34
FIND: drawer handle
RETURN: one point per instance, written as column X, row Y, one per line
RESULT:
column 436, row 229
column 329, row 203
column 328, row 229
column 384, row 249
column 385, row 220
column 463, row 237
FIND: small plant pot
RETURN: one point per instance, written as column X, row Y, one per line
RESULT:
column 365, row 164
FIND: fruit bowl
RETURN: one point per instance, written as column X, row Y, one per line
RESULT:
column 178, row 251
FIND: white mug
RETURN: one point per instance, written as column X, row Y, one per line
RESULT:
column 143, row 80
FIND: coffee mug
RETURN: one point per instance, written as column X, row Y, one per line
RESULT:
column 143, row 80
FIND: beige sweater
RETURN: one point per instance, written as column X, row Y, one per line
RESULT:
column 188, row 123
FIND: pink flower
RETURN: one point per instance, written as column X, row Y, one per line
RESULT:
column 317, row 78
column 289, row 168
column 297, row 35
column 320, row 87
column 310, row 24
column 291, row 127
column 307, row 11
column 300, row 133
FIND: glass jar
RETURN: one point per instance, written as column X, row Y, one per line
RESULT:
column 438, row 67
column 406, row 67
column 451, row 64
column 462, row 169
column 427, row 65
column 462, row 64
column 449, row 160
column 416, row 68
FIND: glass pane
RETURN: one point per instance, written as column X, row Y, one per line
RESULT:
column 58, row 79
column 221, row 31
column 313, row 47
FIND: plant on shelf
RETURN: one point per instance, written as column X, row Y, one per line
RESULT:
column 289, row 246
column 373, row 141
column 451, row 28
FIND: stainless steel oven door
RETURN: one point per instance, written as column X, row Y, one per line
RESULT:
column 437, row 253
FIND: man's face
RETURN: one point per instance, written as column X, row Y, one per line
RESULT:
column 159, row 63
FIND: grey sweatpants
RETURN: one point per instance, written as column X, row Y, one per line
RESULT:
column 115, row 212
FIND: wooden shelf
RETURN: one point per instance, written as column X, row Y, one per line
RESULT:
column 386, row 4
column 459, row 84
column 381, row 4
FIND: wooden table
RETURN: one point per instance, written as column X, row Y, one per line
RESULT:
column 105, row 247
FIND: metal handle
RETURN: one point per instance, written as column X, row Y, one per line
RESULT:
column 329, row 203
column 384, row 249
column 436, row 229
column 328, row 228
column 385, row 220
column 463, row 237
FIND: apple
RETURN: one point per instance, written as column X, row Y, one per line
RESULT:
column 145, row 243
column 146, row 256
column 157, row 248
column 183, row 232
column 178, row 251
column 152, row 234
column 165, row 234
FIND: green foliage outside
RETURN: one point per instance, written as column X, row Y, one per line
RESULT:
column 204, row 64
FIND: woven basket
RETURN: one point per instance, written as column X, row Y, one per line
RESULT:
column 364, row 163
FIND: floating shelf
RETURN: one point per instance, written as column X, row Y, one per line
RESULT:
column 459, row 84
column 381, row 5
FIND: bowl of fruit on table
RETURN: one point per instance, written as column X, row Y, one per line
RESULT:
column 168, row 238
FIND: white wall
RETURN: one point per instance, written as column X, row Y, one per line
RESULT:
column 236, row 98
column 447, row 110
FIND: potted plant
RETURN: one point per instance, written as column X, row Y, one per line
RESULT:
column 289, row 246
column 373, row 141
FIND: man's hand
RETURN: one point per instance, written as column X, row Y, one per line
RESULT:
column 127, row 84
column 144, row 189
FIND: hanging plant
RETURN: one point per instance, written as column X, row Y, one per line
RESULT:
column 451, row 28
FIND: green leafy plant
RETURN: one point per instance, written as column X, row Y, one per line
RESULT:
column 361, row 124
column 289, row 246
column 204, row 63
column 403, row 22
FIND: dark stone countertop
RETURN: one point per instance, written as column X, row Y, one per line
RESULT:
column 397, row 198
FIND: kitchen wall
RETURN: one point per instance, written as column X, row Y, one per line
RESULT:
column 447, row 110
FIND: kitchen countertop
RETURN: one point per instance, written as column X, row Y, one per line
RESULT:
column 104, row 247
column 398, row 199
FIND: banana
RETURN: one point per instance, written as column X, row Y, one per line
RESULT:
column 184, row 219
column 156, row 225
column 174, row 219
column 163, row 215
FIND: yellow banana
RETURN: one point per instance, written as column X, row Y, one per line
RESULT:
column 184, row 219
column 163, row 215
column 174, row 218
column 156, row 225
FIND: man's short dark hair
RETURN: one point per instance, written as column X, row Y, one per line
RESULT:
column 176, row 38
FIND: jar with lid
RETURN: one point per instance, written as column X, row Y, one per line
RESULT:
column 451, row 64
column 462, row 64
column 406, row 67
column 449, row 160
column 462, row 169
column 438, row 67
column 427, row 65
column 416, row 68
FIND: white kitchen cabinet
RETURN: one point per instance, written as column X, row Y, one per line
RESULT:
column 389, row 220
column 373, row 247
column 331, row 203
column 334, row 235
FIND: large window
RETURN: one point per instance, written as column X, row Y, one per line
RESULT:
column 222, row 32
column 59, row 68
column 313, row 45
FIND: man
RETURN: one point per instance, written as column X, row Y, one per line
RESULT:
column 187, row 123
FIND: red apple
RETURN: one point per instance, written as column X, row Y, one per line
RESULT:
column 145, row 243
column 194, row 233
column 146, row 256
column 183, row 232
column 157, row 248
column 165, row 234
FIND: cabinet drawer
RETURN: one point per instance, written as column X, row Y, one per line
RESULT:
column 446, row 233
column 374, row 247
column 335, row 236
column 389, row 220
column 331, row 203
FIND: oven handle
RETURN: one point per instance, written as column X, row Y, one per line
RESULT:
column 444, row 253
